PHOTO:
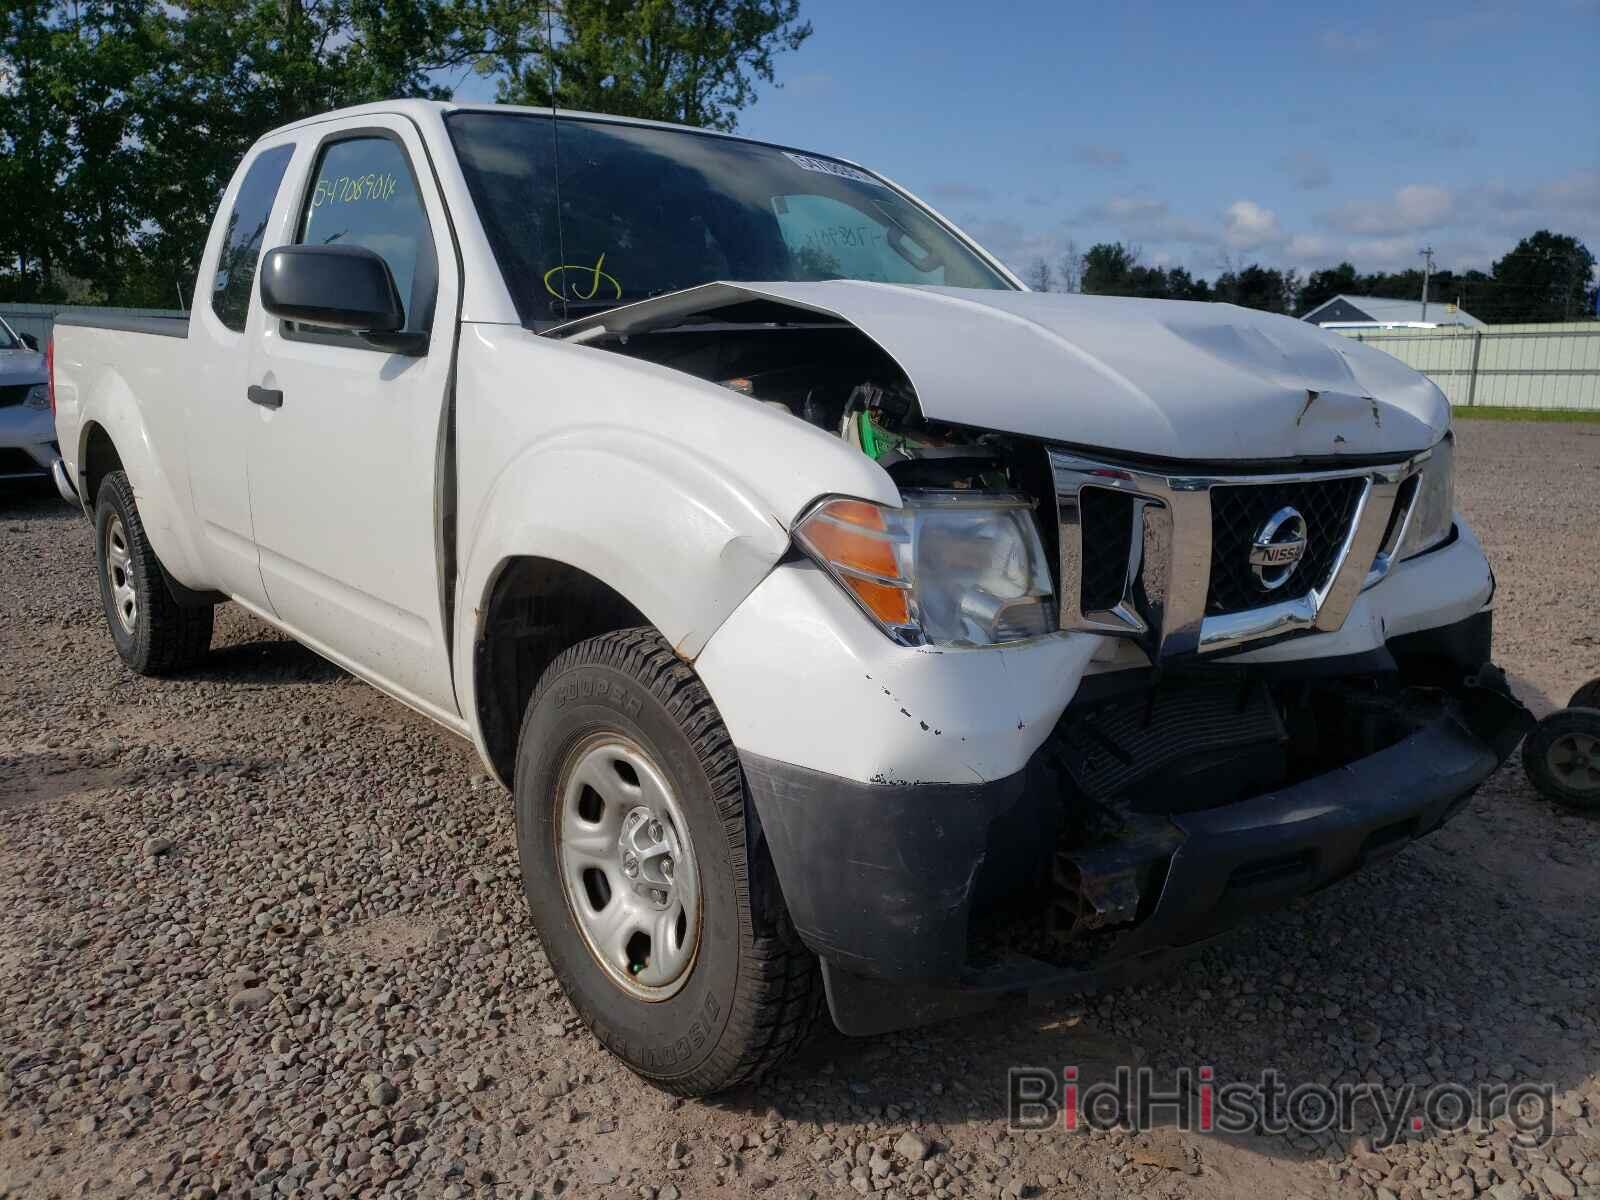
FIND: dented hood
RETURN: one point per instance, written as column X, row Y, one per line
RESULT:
column 1163, row 378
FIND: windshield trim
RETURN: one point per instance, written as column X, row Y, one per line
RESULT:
column 15, row 337
column 988, row 259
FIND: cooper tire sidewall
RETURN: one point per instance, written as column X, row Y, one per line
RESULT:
column 665, row 1038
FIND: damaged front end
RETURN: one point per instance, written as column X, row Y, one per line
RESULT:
column 1189, row 783
column 1182, row 803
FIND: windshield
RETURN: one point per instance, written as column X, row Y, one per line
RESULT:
column 8, row 339
column 646, row 211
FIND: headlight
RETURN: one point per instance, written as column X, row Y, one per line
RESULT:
column 1433, row 513
column 948, row 569
column 38, row 396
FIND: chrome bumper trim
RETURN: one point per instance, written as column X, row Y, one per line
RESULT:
column 58, row 475
column 1168, row 577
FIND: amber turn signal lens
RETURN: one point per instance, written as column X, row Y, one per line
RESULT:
column 891, row 605
column 851, row 547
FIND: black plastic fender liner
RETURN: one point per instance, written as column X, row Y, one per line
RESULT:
column 880, row 877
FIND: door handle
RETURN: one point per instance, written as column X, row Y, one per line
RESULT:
column 266, row 397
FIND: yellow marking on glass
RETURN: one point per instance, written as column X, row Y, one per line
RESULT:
column 594, row 287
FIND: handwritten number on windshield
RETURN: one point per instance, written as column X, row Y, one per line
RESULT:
column 593, row 276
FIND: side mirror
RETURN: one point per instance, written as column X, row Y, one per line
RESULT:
column 335, row 287
column 28, row 340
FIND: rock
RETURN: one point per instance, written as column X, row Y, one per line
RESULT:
column 381, row 1093
column 249, row 999
column 1559, row 1185
column 471, row 1080
column 913, row 1147
column 155, row 847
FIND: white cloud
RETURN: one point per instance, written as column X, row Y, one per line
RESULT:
column 1248, row 226
column 1144, row 218
column 1414, row 207
column 1126, row 210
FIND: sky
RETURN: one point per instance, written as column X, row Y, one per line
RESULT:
column 1295, row 135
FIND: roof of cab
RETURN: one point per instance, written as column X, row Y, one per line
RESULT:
column 445, row 107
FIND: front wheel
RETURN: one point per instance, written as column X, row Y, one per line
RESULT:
column 631, row 830
column 154, row 634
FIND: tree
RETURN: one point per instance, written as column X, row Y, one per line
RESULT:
column 1182, row 286
column 1255, row 286
column 1040, row 277
column 1112, row 269
column 1070, row 270
column 35, row 150
column 1322, row 286
column 1547, row 277
column 695, row 62
column 1108, row 269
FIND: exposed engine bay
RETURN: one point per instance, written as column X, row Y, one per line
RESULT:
column 833, row 376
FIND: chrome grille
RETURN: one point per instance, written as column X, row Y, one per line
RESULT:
column 1238, row 511
column 1164, row 558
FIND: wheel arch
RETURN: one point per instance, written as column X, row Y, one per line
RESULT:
column 98, row 456
column 533, row 609
column 115, row 434
column 599, row 530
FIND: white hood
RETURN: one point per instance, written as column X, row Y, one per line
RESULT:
column 1162, row 378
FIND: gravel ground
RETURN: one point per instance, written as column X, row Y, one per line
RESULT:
column 260, row 934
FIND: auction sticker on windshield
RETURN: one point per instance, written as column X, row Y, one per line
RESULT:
column 824, row 166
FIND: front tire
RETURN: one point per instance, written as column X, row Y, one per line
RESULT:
column 631, row 829
column 154, row 634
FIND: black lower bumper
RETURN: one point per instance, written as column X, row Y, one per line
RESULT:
column 883, row 881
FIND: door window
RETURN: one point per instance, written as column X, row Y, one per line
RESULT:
column 364, row 194
column 241, row 246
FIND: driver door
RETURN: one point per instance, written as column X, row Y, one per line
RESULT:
column 346, row 480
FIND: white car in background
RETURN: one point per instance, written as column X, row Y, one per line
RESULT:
column 27, row 426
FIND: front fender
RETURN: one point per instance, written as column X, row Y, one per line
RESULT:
column 683, row 543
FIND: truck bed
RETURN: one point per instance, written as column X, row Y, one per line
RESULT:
column 173, row 327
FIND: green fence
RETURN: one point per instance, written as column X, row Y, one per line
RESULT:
column 1509, row 366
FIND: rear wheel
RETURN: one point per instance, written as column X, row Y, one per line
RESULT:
column 1588, row 696
column 154, row 634
column 631, row 830
column 1562, row 757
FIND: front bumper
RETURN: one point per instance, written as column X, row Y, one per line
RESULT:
column 885, row 882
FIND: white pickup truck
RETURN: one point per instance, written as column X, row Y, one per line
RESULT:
column 845, row 619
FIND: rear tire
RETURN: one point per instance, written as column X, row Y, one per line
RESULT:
column 1588, row 696
column 154, row 634
column 1562, row 758
column 626, row 786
